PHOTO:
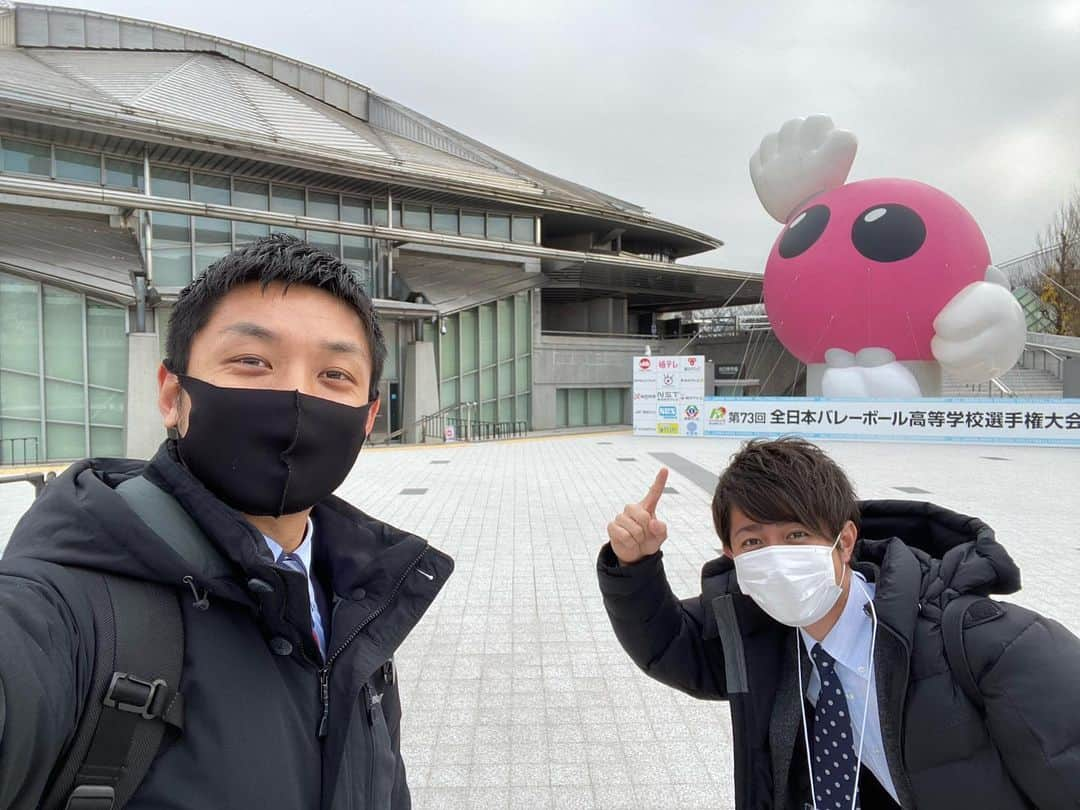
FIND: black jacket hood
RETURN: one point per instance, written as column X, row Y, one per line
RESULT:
column 919, row 554
column 79, row 520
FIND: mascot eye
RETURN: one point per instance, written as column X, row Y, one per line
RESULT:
column 804, row 231
column 888, row 232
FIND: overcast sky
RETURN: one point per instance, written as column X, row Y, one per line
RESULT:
column 662, row 103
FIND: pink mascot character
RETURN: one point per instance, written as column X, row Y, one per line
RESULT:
column 877, row 285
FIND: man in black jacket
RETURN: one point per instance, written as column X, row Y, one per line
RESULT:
column 269, row 389
column 822, row 626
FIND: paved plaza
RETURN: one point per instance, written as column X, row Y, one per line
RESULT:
column 515, row 691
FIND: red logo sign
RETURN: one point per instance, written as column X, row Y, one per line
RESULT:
column 691, row 360
column 644, row 363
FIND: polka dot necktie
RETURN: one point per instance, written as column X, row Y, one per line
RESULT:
column 833, row 748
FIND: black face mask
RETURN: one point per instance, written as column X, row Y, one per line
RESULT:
column 266, row 452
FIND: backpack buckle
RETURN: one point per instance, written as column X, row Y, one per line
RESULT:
column 130, row 694
column 91, row 797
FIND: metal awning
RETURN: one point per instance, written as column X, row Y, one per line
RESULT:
column 78, row 251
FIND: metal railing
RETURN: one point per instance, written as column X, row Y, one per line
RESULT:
column 8, row 456
column 38, row 480
column 993, row 388
column 464, row 419
column 1033, row 351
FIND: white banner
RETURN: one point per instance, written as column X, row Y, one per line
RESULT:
column 669, row 395
column 977, row 421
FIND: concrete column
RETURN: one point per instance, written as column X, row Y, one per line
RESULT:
column 144, row 431
column 1071, row 378
column 419, row 387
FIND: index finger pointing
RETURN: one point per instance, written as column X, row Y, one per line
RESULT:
column 652, row 498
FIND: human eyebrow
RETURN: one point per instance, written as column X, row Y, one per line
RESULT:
column 254, row 330
column 343, row 347
column 750, row 527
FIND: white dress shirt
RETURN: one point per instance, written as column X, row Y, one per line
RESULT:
column 849, row 643
column 303, row 551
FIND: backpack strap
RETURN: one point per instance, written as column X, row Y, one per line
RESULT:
column 138, row 660
column 952, row 633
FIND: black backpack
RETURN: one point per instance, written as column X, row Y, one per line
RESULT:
column 962, row 612
column 134, row 695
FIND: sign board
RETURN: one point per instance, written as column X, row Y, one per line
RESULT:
column 669, row 395
column 449, row 433
column 976, row 421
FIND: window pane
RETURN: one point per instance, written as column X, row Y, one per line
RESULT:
column 26, row 157
column 63, row 336
column 487, row 384
column 522, row 323
column 64, row 401
column 487, row 412
column 390, row 332
column 487, row 334
column 506, row 410
column 324, row 240
column 506, row 329
column 165, row 182
column 123, row 173
column 448, row 348
column 20, row 442
column 212, row 231
column 106, row 407
column 172, row 249
column 83, row 167
column 322, row 205
column 521, row 375
column 596, row 406
column 448, row 394
column 468, row 340
column 418, row 217
column 472, row 224
column 357, row 254
column 521, row 410
column 212, row 188
column 106, row 334
column 560, row 408
column 206, row 255
column 397, row 215
column 506, row 379
column 498, row 227
column 469, row 388
column 575, row 407
column 288, row 200
column 20, row 395
column 524, row 229
column 249, row 232
column 19, row 327
column 106, row 442
column 446, row 220
column 65, row 441
column 356, row 210
column 249, row 194
column 613, row 406
column 378, row 213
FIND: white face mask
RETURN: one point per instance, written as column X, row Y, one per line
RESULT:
column 796, row 585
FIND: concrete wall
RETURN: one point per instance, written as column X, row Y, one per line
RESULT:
column 760, row 354
column 605, row 315
column 144, row 432
column 419, row 386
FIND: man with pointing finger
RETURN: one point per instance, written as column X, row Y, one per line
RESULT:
column 865, row 665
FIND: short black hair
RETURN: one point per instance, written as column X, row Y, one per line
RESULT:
column 787, row 480
column 275, row 258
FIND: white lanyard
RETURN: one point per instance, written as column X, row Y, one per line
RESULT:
column 866, row 702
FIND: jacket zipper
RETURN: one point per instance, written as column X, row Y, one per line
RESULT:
column 324, row 673
column 903, row 698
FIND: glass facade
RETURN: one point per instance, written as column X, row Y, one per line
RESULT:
column 63, row 374
column 485, row 356
column 583, row 407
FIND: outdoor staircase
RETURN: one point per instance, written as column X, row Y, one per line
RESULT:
column 1025, row 383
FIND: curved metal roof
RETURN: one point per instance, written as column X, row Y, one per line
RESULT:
column 160, row 81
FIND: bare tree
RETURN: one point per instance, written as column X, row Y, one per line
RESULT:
column 1059, row 266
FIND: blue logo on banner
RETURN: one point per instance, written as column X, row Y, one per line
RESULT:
column 691, row 428
column 668, row 411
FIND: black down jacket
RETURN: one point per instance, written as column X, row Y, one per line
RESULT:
column 942, row 753
column 250, row 679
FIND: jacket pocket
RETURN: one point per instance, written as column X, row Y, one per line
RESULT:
column 382, row 764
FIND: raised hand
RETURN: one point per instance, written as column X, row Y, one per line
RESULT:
column 981, row 332
column 807, row 156
column 635, row 532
